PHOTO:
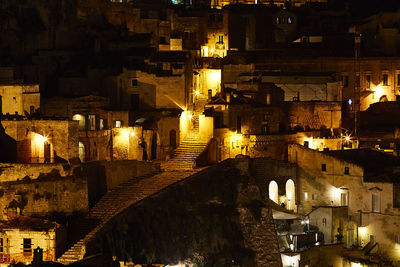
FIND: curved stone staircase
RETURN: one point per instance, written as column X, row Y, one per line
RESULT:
column 179, row 167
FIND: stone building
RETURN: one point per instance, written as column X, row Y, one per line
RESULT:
column 38, row 141
column 363, row 181
column 21, row 235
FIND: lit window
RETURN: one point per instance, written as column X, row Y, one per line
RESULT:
column 305, row 195
column 290, row 20
column 27, row 245
column 375, row 203
column 101, row 124
column 118, row 124
column 368, row 81
column 385, row 79
column 278, row 20
column 324, row 221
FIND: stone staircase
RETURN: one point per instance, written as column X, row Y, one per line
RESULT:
column 116, row 201
column 184, row 157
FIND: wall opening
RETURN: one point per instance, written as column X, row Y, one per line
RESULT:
column 273, row 191
column 290, row 194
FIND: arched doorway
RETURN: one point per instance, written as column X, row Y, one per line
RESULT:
column 81, row 151
column 41, row 150
column 383, row 98
column 273, row 191
column 172, row 138
column 290, row 194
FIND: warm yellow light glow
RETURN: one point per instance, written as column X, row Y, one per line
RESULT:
column 212, row 50
column 355, row 264
column 378, row 91
column 215, row 75
column 362, row 231
column 236, row 140
column 132, row 134
column 347, row 138
column 197, row 93
column 190, row 116
column 125, row 133
column 77, row 117
column 39, row 139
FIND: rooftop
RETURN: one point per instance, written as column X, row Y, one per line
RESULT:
column 378, row 166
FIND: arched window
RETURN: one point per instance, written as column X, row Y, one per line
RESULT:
column 383, row 98
column 81, row 119
column 273, row 191
column 290, row 194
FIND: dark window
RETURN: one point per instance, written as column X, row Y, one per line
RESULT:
column 398, row 79
column 1, row 245
column 346, row 170
column 385, row 81
column 163, row 40
column 345, row 81
column 323, row 167
column 396, row 196
column 368, row 81
column 220, row 39
column 134, row 82
column 238, row 124
column 27, row 245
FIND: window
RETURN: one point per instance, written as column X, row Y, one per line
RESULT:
column 27, row 245
column 305, row 195
column 212, row 17
column 220, row 39
column 368, row 81
column 1, row 245
column 278, row 20
column 219, row 17
column 101, row 124
column 345, row 80
column 324, row 221
column 398, row 79
column 346, row 170
column 314, row 196
column 290, row 20
column 385, row 79
column 163, row 40
column 92, row 122
column 323, row 167
column 375, row 203
column 344, row 199
column 396, row 196
column 134, row 82
column 118, row 124
column 268, row 99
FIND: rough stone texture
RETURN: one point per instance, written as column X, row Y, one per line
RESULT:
column 43, row 196
column 217, row 213
column 18, row 171
column 63, row 135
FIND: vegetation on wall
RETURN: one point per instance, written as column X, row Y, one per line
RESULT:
column 195, row 221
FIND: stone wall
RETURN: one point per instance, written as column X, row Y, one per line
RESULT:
column 63, row 135
column 216, row 217
column 18, row 171
column 45, row 195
